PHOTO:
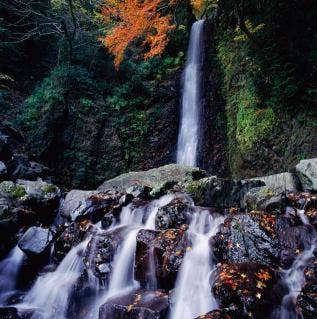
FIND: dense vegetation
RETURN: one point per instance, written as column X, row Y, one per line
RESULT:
column 89, row 121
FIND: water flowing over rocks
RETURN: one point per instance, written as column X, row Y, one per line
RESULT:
column 144, row 249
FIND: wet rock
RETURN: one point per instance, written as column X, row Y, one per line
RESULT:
column 307, row 173
column 70, row 237
column 159, row 254
column 35, row 241
column 219, row 192
column 293, row 240
column 307, row 300
column 301, row 200
column 98, row 205
column 73, row 201
column 136, row 305
column 265, row 198
column 248, row 290
column 215, row 314
column 14, row 313
column 286, row 180
column 100, row 253
column 247, row 237
column 159, row 179
column 173, row 215
column 3, row 170
column 6, row 206
column 311, row 268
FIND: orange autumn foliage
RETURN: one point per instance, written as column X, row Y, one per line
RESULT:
column 136, row 19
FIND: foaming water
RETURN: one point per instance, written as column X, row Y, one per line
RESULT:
column 294, row 278
column 187, row 145
column 122, row 277
column 50, row 293
column 193, row 295
column 9, row 269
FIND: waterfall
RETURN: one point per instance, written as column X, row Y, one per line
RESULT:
column 187, row 146
column 193, row 296
column 51, row 291
column 294, row 279
column 122, row 277
column 9, row 269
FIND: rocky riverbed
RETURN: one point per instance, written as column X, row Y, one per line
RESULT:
column 171, row 242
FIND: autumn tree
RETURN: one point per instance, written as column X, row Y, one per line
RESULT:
column 148, row 20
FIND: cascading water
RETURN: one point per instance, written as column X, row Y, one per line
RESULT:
column 187, row 146
column 193, row 295
column 122, row 277
column 50, row 293
column 9, row 269
column 294, row 279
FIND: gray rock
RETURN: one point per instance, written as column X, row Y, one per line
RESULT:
column 219, row 192
column 157, row 178
column 74, row 201
column 286, row 180
column 264, row 198
column 3, row 169
column 307, row 173
column 35, row 241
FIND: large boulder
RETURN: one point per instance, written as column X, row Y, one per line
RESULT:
column 247, row 237
column 288, row 181
column 307, row 173
column 158, row 179
column 173, row 215
column 35, row 241
column 98, row 205
column 74, row 201
column 220, row 192
column 69, row 238
column 268, row 239
column 248, row 290
column 136, row 305
column 159, row 256
column 265, row 198
column 41, row 197
column 100, row 253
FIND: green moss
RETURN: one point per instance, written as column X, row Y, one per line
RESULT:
column 48, row 188
column 13, row 190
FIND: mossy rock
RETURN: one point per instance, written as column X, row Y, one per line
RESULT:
column 13, row 190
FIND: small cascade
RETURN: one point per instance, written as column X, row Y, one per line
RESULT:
column 187, row 146
column 193, row 295
column 295, row 280
column 9, row 269
column 50, row 293
column 122, row 277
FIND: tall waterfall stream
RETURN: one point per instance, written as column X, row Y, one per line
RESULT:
column 188, row 138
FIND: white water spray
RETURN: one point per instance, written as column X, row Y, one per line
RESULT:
column 9, row 269
column 50, row 293
column 187, row 145
column 193, row 294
